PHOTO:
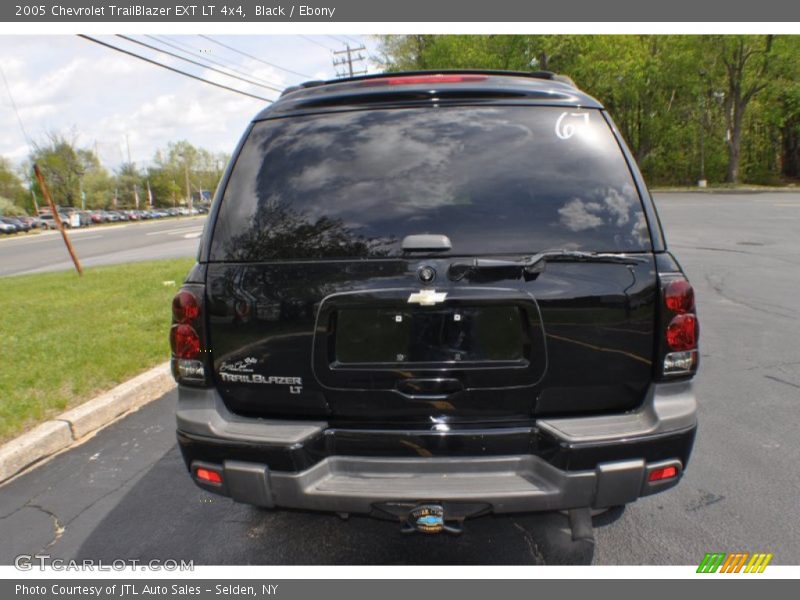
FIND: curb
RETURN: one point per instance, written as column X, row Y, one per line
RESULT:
column 75, row 424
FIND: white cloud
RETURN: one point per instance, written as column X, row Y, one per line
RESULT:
column 65, row 83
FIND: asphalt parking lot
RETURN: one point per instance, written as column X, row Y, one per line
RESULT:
column 124, row 492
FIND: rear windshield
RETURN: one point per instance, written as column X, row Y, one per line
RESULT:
column 495, row 180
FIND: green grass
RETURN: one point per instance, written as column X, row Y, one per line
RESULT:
column 725, row 187
column 65, row 338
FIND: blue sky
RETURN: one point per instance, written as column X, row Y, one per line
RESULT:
column 69, row 85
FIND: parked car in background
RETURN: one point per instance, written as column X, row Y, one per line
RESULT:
column 32, row 222
column 17, row 223
column 7, row 228
column 48, row 222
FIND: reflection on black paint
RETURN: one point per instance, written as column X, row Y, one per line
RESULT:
column 494, row 179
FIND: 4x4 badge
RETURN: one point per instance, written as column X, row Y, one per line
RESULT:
column 427, row 297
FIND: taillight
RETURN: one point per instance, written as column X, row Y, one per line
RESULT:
column 681, row 328
column 185, row 307
column 185, row 341
column 682, row 333
column 679, row 296
column 185, row 337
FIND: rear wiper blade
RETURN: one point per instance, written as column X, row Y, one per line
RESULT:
column 531, row 266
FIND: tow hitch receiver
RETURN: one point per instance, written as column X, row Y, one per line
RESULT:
column 431, row 517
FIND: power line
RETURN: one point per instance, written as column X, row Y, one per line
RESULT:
column 173, row 69
column 199, row 64
column 261, row 60
column 14, row 106
column 187, row 49
column 336, row 39
column 313, row 41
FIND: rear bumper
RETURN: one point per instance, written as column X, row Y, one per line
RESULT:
column 555, row 464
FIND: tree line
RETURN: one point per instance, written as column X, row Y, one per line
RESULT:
column 724, row 108
column 76, row 177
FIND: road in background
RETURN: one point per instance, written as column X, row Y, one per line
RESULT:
column 125, row 493
column 101, row 245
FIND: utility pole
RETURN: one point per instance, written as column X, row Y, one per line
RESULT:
column 348, row 58
column 133, row 172
column 149, row 195
column 57, row 219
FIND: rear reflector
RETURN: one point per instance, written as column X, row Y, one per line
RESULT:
column 424, row 79
column 208, row 475
column 663, row 473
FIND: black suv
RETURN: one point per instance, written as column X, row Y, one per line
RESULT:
column 432, row 296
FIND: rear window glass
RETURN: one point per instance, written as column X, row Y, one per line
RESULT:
column 495, row 180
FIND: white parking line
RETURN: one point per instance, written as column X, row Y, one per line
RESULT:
column 175, row 231
column 193, row 230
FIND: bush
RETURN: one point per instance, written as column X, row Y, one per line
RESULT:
column 9, row 209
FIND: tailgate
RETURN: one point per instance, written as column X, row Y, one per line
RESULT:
column 343, row 341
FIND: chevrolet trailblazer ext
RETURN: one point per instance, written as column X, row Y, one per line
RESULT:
column 433, row 296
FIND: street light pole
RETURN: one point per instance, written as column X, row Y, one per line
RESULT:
column 188, row 187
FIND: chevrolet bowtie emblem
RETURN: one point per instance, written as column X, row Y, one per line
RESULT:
column 427, row 297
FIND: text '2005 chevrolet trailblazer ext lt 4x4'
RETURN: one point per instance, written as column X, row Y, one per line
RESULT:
column 433, row 296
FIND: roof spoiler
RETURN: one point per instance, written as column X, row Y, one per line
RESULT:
column 549, row 75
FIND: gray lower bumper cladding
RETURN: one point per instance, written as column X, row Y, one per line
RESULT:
column 498, row 484
column 503, row 484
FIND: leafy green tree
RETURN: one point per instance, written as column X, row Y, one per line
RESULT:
column 9, row 209
column 99, row 186
column 129, row 183
column 744, row 62
column 11, row 187
column 181, row 169
column 62, row 165
column 722, row 108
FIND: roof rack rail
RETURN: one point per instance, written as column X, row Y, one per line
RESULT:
column 532, row 74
